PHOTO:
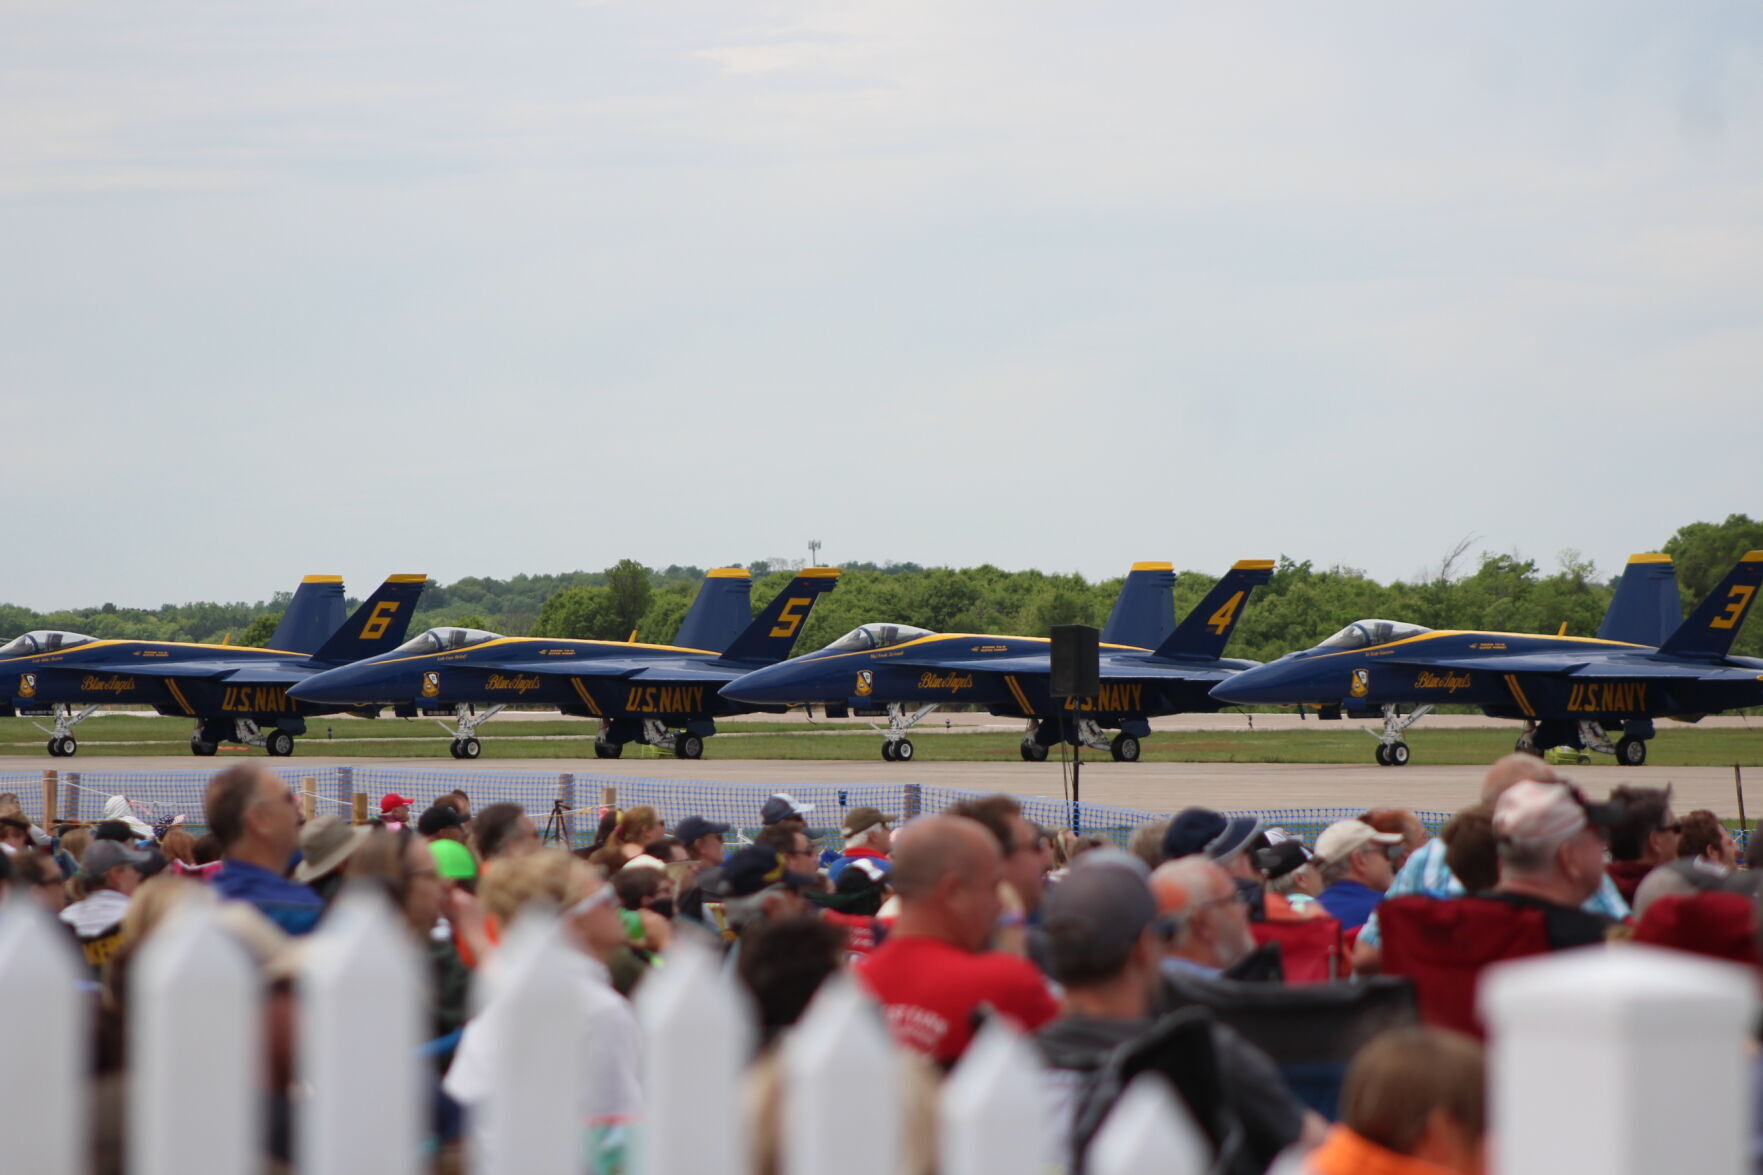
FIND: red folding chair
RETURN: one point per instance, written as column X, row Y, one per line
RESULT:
column 1444, row 945
column 1311, row 950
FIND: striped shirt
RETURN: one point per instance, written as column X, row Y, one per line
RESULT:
column 1425, row 873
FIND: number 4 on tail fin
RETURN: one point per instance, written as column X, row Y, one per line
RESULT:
column 1206, row 630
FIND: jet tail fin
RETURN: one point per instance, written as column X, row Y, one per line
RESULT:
column 1144, row 612
column 1710, row 629
column 1646, row 606
column 772, row 634
column 312, row 615
column 379, row 625
column 1207, row 629
column 721, row 610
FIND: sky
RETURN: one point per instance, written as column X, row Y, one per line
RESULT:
column 473, row 289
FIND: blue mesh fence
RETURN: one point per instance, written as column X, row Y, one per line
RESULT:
column 159, row 795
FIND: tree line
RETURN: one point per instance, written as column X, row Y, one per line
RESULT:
column 1302, row 604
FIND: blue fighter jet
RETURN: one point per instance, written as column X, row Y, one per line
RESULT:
column 661, row 695
column 907, row 673
column 1568, row 690
column 234, row 693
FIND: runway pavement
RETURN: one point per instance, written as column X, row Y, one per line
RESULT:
column 1151, row 786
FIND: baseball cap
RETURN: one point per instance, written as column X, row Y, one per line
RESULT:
column 453, row 860
column 104, row 855
column 755, row 868
column 392, row 800
column 1345, row 837
column 1547, row 813
column 325, row 844
column 694, row 827
column 1281, row 857
column 1094, row 916
column 781, row 807
column 1201, row 830
column 437, row 818
column 863, row 819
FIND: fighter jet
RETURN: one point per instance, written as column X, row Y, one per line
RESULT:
column 908, row 673
column 234, row 693
column 661, row 695
column 1570, row 691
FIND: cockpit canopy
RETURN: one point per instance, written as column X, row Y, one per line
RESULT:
column 875, row 636
column 1363, row 634
column 444, row 640
column 43, row 640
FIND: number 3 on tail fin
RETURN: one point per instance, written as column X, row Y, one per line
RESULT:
column 1736, row 603
column 380, row 620
column 790, row 619
column 1222, row 619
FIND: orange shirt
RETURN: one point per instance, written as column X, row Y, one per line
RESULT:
column 1345, row 1153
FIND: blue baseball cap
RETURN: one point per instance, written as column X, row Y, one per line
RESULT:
column 1201, row 830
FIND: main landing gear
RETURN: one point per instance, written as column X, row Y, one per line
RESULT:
column 896, row 747
column 62, row 744
column 277, row 742
column 1122, row 747
column 466, row 719
column 685, row 744
column 1391, row 750
column 1630, row 750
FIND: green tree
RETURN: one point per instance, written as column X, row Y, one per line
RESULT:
column 258, row 632
column 667, row 608
column 1705, row 551
column 580, row 612
column 627, row 585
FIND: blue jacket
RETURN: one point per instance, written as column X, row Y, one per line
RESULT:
column 292, row 906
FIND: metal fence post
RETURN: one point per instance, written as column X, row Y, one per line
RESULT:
column 912, row 803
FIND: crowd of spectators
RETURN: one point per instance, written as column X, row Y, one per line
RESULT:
column 1166, row 955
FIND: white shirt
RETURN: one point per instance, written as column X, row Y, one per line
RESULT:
column 611, row 1048
column 98, row 913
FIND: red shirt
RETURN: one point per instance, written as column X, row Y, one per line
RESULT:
column 931, row 991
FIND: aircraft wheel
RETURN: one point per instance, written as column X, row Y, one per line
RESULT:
column 70, row 748
column 453, row 748
column 1124, row 748
column 202, row 747
column 903, row 751
column 888, row 750
column 1398, row 754
column 605, row 750
column 470, row 748
column 1383, row 755
column 688, row 746
column 54, row 746
column 279, row 743
column 1631, row 752
column 1033, row 752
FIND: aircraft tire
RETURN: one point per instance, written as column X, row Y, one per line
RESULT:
column 903, row 751
column 1033, row 752
column 688, row 746
column 1631, row 752
column 1399, row 754
column 605, row 750
column 470, row 748
column 54, row 746
column 203, row 748
column 1383, row 755
column 888, row 750
column 1124, row 748
column 279, row 743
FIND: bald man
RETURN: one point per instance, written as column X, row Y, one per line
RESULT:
column 1425, row 871
column 934, row 973
column 1204, row 917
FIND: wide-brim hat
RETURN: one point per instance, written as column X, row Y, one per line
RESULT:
column 325, row 843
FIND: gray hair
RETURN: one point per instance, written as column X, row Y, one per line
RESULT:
column 1333, row 871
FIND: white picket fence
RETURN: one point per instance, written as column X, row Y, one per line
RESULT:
column 1629, row 1061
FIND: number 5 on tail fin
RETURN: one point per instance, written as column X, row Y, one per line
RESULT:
column 1206, row 630
column 773, row 632
column 1710, row 629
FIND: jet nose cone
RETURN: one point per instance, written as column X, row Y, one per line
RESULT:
column 770, row 686
column 1251, row 686
column 334, row 687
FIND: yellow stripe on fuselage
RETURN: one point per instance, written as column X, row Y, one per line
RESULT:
column 1443, row 632
column 582, row 692
column 563, row 664
column 960, row 636
column 107, row 644
column 1016, row 691
column 172, row 685
column 1518, row 693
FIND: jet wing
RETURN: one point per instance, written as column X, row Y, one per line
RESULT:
column 196, row 670
column 976, row 664
column 1536, row 664
column 641, row 669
